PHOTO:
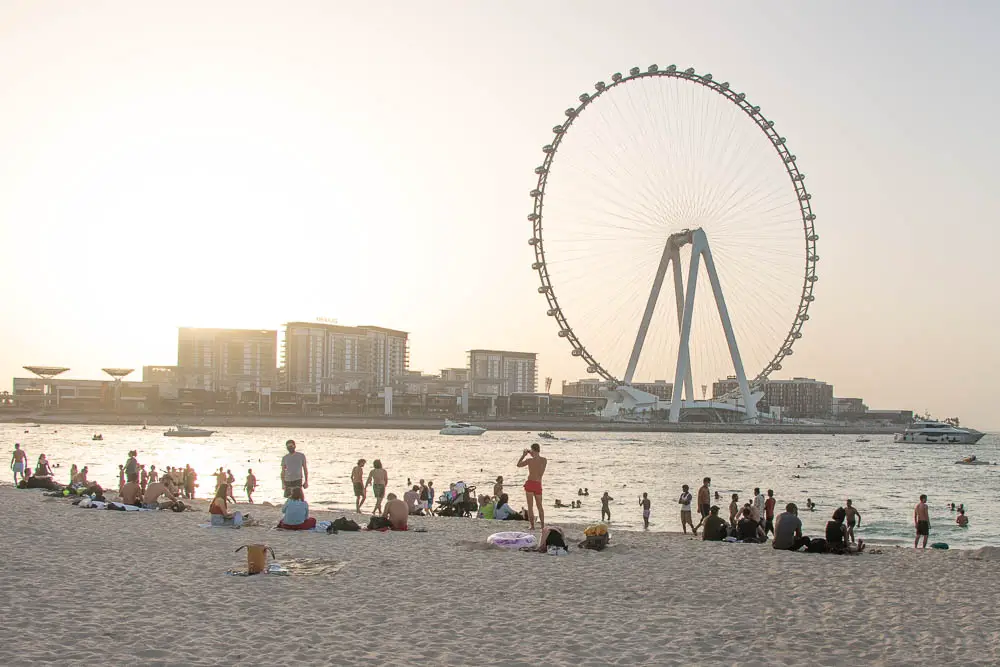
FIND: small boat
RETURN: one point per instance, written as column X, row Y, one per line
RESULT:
column 461, row 428
column 862, row 438
column 973, row 461
column 98, row 436
column 547, row 435
column 187, row 432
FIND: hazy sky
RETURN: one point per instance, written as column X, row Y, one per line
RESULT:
column 246, row 164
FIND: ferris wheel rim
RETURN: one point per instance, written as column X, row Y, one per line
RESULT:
column 778, row 142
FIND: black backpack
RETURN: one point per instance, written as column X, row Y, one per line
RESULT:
column 343, row 523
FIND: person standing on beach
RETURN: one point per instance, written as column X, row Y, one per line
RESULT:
column 379, row 479
column 424, row 493
column 685, row 502
column 645, row 504
column 153, row 475
column 853, row 517
column 922, row 521
column 230, row 478
column 294, row 471
column 19, row 462
column 143, row 478
column 132, row 467
column 734, row 510
column 769, row 512
column 189, row 477
column 250, row 485
column 430, row 495
column 605, row 508
column 358, row 482
column 704, row 502
column 535, row 463
column 498, row 487
column 758, row 506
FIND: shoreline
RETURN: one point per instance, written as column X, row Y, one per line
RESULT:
column 433, row 424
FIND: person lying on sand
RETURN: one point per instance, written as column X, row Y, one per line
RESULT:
column 396, row 512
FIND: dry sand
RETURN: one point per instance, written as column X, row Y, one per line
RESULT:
column 100, row 587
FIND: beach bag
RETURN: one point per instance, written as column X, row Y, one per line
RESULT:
column 596, row 542
column 378, row 523
column 343, row 523
column 596, row 529
column 554, row 538
column 179, row 507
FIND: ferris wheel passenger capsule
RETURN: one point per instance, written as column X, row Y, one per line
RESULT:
column 570, row 112
column 634, row 71
column 533, row 241
column 543, row 289
column 536, row 265
column 652, row 68
column 616, row 77
column 548, row 148
column 563, row 333
column 725, row 85
column 577, row 353
column 707, row 77
column 591, row 369
column 600, row 85
column 532, row 217
column 540, row 170
column 585, row 97
column 558, row 129
column 552, row 312
column 689, row 71
column 741, row 96
column 671, row 68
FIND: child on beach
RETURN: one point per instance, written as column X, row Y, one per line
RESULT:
column 645, row 504
column 250, row 485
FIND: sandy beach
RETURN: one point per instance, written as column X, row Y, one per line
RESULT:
column 93, row 586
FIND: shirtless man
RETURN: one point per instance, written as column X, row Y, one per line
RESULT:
column 535, row 463
column 853, row 517
column 154, row 491
column 645, row 504
column 498, row 487
column 18, row 462
column 131, row 493
column 704, row 502
column 358, row 481
column 378, row 478
column 396, row 512
column 921, row 520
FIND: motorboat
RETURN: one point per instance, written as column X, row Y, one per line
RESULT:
column 461, row 428
column 973, row 461
column 181, row 431
column 928, row 432
column 97, row 436
column 547, row 435
column 862, row 438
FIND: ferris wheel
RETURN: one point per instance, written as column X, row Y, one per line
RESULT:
column 666, row 175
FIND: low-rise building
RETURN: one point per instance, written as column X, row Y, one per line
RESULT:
column 797, row 398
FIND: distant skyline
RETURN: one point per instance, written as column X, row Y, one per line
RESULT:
column 248, row 164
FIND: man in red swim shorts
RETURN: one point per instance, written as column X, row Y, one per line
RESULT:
column 535, row 463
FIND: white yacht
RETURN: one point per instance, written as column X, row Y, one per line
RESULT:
column 182, row 431
column 461, row 428
column 938, row 432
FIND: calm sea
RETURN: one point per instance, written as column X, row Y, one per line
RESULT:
column 883, row 478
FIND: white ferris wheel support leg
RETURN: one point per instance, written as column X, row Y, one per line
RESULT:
column 647, row 316
column 700, row 249
column 675, row 258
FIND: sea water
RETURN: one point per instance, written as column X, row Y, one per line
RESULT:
column 883, row 479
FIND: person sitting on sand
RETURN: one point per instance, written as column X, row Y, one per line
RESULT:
column 961, row 519
column 836, row 531
column 715, row 526
column 81, row 478
column 131, row 493
column 748, row 530
column 396, row 512
column 411, row 498
column 42, row 468
column 788, row 530
column 503, row 511
column 295, row 512
column 219, row 510
column 151, row 499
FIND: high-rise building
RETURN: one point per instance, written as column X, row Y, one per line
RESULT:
column 327, row 359
column 227, row 359
column 502, row 373
column 798, row 397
